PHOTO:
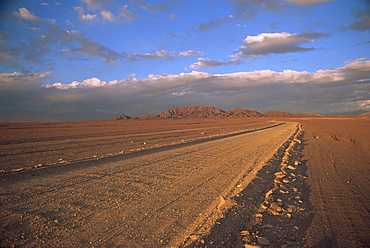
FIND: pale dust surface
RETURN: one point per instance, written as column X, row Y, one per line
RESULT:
column 147, row 199
column 338, row 161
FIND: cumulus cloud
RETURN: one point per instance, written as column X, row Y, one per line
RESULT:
column 206, row 63
column 259, row 89
column 107, row 15
column 25, row 14
column 82, row 16
column 13, row 78
column 353, row 71
column 277, row 43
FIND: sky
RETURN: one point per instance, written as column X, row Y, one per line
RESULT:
column 140, row 57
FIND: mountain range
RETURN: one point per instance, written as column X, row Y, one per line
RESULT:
column 194, row 112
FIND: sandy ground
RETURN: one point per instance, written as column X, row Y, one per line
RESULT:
column 314, row 192
column 338, row 168
column 29, row 145
column 144, row 200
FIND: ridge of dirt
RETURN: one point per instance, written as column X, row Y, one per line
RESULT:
column 272, row 210
column 29, row 146
column 77, row 163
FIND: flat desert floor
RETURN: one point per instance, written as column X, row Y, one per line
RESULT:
column 304, row 183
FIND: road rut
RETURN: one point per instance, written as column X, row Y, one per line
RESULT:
column 151, row 200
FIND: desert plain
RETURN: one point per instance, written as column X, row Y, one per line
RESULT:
column 247, row 182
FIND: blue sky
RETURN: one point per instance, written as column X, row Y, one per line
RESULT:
column 140, row 56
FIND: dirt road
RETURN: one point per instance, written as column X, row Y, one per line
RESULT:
column 30, row 145
column 150, row 199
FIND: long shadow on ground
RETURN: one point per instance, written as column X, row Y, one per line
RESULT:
column 263, row 209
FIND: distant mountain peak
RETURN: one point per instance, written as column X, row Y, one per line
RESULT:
column 202, row 112
column 121, row 117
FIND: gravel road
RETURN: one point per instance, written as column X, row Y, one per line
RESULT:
column 150, row 199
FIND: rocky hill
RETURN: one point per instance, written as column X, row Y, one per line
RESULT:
column 202, row 112
column 121, row 117
column 287, row 114
column 365, row 114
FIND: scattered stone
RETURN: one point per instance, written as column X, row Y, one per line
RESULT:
column 222, row 202
column 296, row 228
column 263, row 241
column 284, row 188
column 275, row 206
column 291, row 167
column 267, row 226
column 286, row 181
column 279, row 174
column 273, row 212
column 291, row 208
column 258, row 215
column 250, row 246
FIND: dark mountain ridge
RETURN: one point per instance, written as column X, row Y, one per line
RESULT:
column 202, row 112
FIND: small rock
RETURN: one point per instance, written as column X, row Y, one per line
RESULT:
column 284, row 188
column 245, row 233
column 250, row 246
column 273, row 212
column 263, row 241
column 275, row 206
column 258, row 215
column 296, row 228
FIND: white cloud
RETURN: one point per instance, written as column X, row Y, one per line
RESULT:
column 82, row 16
column 276, row 43
column 190, row 53
column 97, row 4
column 206, row 63
column 18, row 80
column 353, row 71
column 126, row 14
column 323, row 90
column 107, row 15
column 25, row 14
column 158, row 54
